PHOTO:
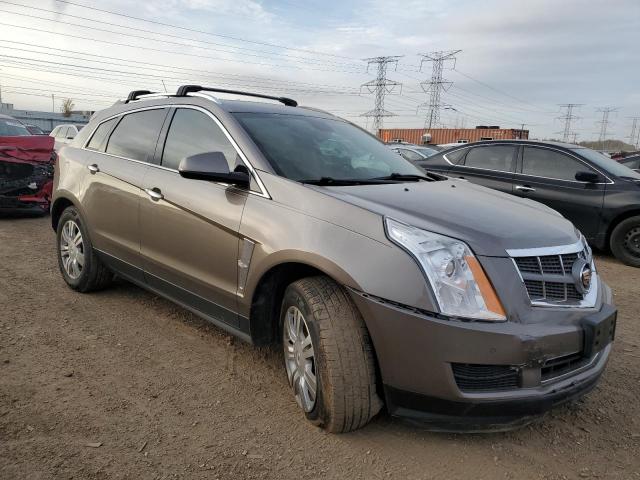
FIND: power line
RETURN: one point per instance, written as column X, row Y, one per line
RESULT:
column 568, row 118
column 161, row 50
column 436, row 85
column 204, row 32
column 380, row 86
column 257, row 53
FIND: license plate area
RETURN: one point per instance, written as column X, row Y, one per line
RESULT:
column 599, row 330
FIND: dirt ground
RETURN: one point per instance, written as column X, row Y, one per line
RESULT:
column 123, row 384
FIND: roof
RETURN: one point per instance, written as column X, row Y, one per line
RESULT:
column 6, row 116
column 522, row 141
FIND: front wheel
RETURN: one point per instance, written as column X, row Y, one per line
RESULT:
column 625, row 241
column 328, row 355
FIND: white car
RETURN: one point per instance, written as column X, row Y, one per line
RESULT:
column 63, row 134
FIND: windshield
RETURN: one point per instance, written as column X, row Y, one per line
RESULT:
column 12, row 128
column 606, row 164
column 307, row 148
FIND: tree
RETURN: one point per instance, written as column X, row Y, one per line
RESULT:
column 67, row 107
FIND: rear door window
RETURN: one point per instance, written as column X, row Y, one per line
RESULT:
column 193, row 132
column 496, row 157
column 544, row 162
column 136, row 135
column 99, row 138
column 62, row 133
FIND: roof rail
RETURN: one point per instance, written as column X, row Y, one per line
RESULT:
column 137, row 93
column 185, row 89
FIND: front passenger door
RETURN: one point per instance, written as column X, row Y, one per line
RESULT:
column 190, row 227
column 549, row 176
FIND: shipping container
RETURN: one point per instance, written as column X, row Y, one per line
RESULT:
column 440, row 136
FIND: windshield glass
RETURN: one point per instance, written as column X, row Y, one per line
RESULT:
column 306, row 148
column 606, row 164
column 12, row 128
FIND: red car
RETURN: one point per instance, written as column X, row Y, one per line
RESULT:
column 26, row 168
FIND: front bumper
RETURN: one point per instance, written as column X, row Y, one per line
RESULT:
column 417, row 354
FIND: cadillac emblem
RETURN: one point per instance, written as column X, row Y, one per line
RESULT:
column 582, row 274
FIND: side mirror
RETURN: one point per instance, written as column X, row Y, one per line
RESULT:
column 589, row 177
column 70, row 138
column 212, row 166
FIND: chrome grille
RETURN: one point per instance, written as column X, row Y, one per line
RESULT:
column 548, row 278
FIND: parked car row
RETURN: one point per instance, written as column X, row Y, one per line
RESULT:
column 600, row 196
column 447, row 302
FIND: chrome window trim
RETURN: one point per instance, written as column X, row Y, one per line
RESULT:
column 609, row 182
column 263, row 191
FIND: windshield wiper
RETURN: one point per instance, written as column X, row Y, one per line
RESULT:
column 330, row 181
column 404, row 177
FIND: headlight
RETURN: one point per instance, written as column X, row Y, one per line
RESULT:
column 461, row 287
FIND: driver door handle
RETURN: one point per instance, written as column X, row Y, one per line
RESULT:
column 154, row 193
column 524, row 188
column 93, row 168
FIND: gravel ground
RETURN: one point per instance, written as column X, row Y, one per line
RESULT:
column 123, row 384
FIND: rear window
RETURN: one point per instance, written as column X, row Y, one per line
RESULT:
column 136, row 135
column 12, row 128
column 497, row 157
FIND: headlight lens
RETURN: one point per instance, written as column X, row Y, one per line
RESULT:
column 461, row 287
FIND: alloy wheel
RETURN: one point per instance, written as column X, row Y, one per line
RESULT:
column 299, row 358
column 72, row 249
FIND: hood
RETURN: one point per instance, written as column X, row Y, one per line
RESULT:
column 489, row 221
column 27, row 149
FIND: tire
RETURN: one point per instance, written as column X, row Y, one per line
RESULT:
column 343, row 361
column 91, row 274
column 625, row 241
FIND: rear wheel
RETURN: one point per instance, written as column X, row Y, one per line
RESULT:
column 80, row 266
column 328, row 355
column 625, row 241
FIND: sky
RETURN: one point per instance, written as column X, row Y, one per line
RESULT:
column 518, row 61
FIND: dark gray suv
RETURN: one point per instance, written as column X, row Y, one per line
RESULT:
column 448, row 302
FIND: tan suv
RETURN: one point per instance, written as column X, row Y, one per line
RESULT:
column 454, row 304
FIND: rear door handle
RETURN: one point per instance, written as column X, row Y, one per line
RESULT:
column 93, row 168
column 524, row 188
column 154, row 194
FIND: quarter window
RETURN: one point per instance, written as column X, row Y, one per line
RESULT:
column 543, row 162
column 136, row 135
column 99, row 137
column 193, row 132
column 497, row 157
column 455, row 157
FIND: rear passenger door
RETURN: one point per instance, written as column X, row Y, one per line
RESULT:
column 118, row 155
column 489, row 165
column 190, row 227
column 548, row 176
